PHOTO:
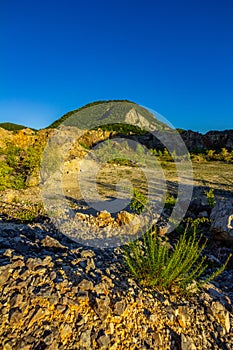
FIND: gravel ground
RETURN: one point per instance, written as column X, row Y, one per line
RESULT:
column 57, row 294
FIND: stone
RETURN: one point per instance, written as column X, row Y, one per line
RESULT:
column 41, row 313
column 65, row 331
column 104, row 219
column 163, row 229
column 15, row 315
column 182, row 316
column 102, row 308
column 203, row 214
column 187, row 343
column 103, row 341
column 5, row 273
column 48, row 339
column 85, row 339
column 51, row 242
column 119, row 307
column 16, row 300
column 221, row 315
column 131, row 221
column 81, row 216
column 95, row 302
column 7, row 346
column 222, row 220
column 85, row 285
column 87, row 254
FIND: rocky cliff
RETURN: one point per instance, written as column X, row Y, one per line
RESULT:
column 210, row 140
column 193, row 140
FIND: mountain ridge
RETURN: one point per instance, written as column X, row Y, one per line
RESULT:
column 126, row 117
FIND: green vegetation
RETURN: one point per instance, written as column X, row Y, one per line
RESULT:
column 170, row 201
column 69, row 114
column 212, row 155
column 104, row 114
column 138, row 201
column 30, row 212
column 10, row 172
column 13, row 127
column 122, row 128
column 16, row 164
column 156, row 264
column 196, row 223
column 210, row 197
column 197, row 156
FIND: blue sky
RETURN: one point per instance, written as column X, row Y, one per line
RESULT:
column 172, row 56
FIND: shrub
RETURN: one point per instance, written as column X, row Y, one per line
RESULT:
column 30, row 212
column 31, row 159
column 210, row 154
column 199, row 158
column 210, row 197
column 138, row 201
column 170, row 201
column 154, row 263
column 225, row 155
column 5, row 172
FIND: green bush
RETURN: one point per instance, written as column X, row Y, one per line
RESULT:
column 198, row 158
column 210, row 154
column 138, row 201
column 224, row 155
column 170, row 201
column 210, row 197
column 30, row 212
column 31, row 160
column 5, row 172
column 16, row 164
column 154, row 263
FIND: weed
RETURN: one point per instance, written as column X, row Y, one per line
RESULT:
column 170, row 201
column 29, row 213
column 154, row 263
column 138, row 201
column 210, row 197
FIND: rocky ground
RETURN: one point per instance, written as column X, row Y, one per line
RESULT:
column 58, row 294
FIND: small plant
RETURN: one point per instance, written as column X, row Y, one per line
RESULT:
column 198, row 158
column 85, row 146
column 197, row 223
column 210, row 197
column 31, row 212
column 154, row 263
column 138, row 201
column 210, row 154
column 122, row 161
column 170, row 201
column 225, row 155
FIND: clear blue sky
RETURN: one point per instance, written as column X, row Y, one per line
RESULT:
column 173, row 56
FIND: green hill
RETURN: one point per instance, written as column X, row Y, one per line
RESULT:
column 13, row 127
column 112, row 115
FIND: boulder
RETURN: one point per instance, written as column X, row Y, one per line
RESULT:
column 127, row 219
column 104, row 219
column 222, row 220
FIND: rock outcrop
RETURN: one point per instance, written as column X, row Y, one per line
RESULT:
column 222, row 220
column 210, row 140
column 193, row 140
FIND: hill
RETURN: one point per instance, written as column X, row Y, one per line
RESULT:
column 125, row 117
column 111, row 115
column 13, row 127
